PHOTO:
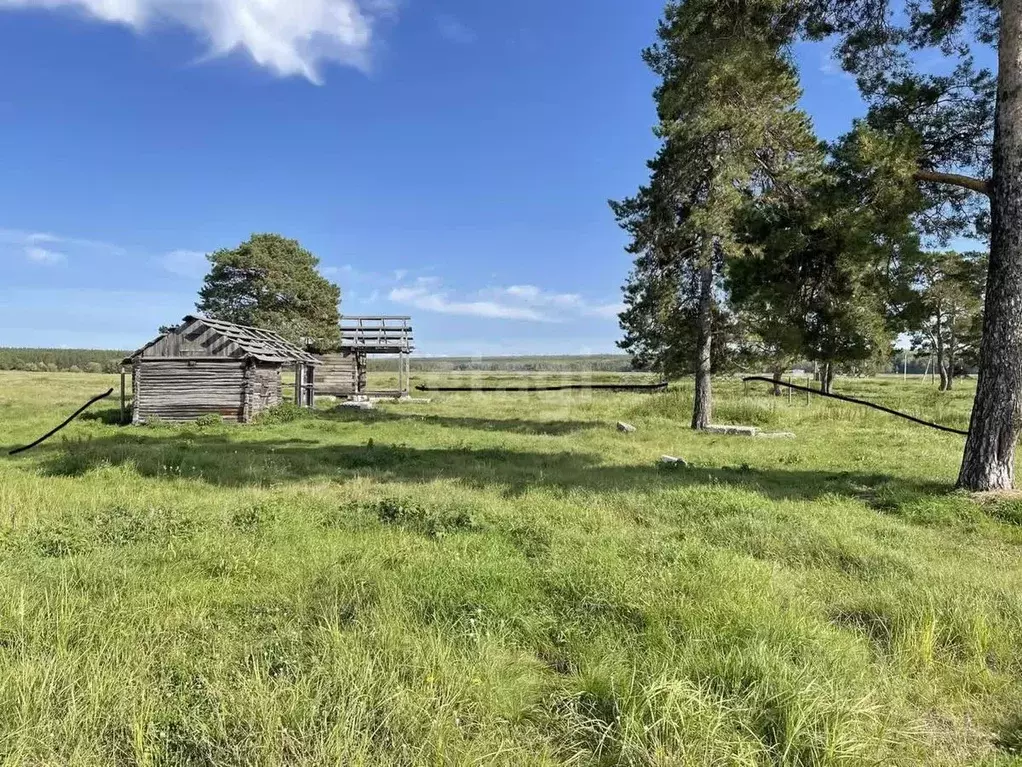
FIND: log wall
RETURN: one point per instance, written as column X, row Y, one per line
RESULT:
column 341, row 375
column 266, row 387
column 183, row 390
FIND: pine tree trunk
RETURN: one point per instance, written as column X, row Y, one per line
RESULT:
column 778, row 375
column 989, row 460
column 827, row 377
column 702, row 409
column 941, row 356
column 951, row 354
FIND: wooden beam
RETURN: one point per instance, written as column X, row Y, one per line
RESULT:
column 122, row 395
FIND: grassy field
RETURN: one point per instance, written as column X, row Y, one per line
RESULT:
column 505, row 580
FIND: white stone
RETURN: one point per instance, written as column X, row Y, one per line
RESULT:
column 732, row 431
column 359, row 404
column 625, row 427
column 670, row 460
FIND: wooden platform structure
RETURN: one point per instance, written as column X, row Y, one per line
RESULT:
column 344, row 374
column 206, row 366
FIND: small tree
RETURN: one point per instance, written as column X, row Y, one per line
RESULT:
column 946, row 312
column 272, row 282
column 810, row 292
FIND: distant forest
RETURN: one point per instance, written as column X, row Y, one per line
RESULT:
column 108, row 361
column 62, row 360
column 599, row 363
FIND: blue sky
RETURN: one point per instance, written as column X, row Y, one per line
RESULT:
column 447, row 159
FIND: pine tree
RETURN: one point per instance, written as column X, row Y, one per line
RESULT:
column 272, row 282
column 961, row 141
column 730, row 130
column 946, row 312
column 814, row 284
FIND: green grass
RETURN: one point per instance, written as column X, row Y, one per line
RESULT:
column 505, row 579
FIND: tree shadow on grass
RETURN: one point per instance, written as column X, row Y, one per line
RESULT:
column 507, row 425
column 111, row 416
column 217, row 459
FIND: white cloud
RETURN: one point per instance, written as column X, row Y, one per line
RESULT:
column 185, row 263
column 288, row 37
column 454, row 31
column 24, row 239
column 609, row 311
column 426, row 298
column 44, row 255
column 831, row 67
column 517, row 302
column 567, row 303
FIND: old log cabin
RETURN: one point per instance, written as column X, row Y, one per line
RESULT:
column 344, row 374
column 206, row 366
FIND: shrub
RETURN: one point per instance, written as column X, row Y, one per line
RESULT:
column 209, row 419
column 285, row 412
column 432, row 522
column 93, row 367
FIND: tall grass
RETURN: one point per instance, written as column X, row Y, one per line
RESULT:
column 505, row 579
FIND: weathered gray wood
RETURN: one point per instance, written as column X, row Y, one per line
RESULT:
column 183, row 390
column 338, row 374
column 134, row 391
column 379, row 335
column 122, row 396
column 205, row 337
column 310, row 388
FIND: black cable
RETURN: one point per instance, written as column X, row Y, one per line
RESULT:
column 855, row 401
column 614, row 387
column 49, row 434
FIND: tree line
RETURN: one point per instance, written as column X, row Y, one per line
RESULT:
column 755, row 243
column 588, row 363
column 61, row 360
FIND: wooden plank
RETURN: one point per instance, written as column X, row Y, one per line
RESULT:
column 185, row 389
column 122, row 395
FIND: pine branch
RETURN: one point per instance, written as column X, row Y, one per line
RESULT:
column 954, row 179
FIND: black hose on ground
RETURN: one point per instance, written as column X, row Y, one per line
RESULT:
column 855, row 401
column 607, row 387
column 49, row 434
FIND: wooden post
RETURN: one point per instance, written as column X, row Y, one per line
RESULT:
column 136, row 376
column 299, row 370
column 122, row 395
column 247, row 391
column 790, row 390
